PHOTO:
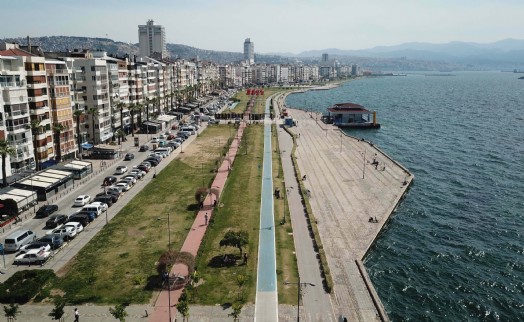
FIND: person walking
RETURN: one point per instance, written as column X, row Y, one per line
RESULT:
column 206, row 218
column 77, row 315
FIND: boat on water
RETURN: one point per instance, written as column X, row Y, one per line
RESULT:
column 351, row 115
column 522, row 77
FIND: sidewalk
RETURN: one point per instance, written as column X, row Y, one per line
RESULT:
column 167, row 299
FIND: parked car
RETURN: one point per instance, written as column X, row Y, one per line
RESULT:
column 132, row 177
column 76, row 226
column 143, row 168
column 19, row 238
column 106, row 198
column 77, row 218
column 154, row 162
column 124, row 185
column 139, row 173
column 55, row 221
column 37, row 244
column 64, row 232
column 34, row 256
column 116, row 189
column 146, row 164
column 144, row 148
column 53, row 240
column 82, row 200
column 103, row 206
column 154, row 139
column 121, row 169
column 129, row 157
column 109, row 181
column 91, row 215
column 45, row 211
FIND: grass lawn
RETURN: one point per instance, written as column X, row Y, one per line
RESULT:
column 239, row 210
column 287, row 269
column 260, row 103
column 118, row 264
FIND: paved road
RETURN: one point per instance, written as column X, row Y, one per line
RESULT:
column 266, row 303
column 316, row 303
column 89, row 186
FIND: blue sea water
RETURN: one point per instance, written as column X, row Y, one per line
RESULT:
column 454, row 250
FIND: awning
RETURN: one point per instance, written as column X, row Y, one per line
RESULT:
column 86, row 146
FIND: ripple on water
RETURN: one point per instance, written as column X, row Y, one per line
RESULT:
column 454, row 250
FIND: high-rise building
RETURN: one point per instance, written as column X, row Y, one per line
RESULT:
column 152, row 39
column 325, row 57
column 249, row 51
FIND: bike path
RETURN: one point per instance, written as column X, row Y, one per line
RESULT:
column 266, row 303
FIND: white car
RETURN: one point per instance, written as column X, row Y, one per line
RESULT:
column 103, row 206
column 154, row 140
column 82, row 200
column 123, row 185
column 121, row 169
column 66, row 232
column 131, row 177
column 138, row 173
column 34, row 256
column 75, row 225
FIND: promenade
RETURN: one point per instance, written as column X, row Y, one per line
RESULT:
column 347, row 189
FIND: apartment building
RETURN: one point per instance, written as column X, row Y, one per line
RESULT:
column 152, row 39
column 63, row 127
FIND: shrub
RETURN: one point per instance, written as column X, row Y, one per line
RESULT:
column 24, row 285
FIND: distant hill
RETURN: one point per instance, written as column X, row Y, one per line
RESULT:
column 508, row 53
column 64, row 43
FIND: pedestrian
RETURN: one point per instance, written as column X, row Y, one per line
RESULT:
column 77, row 315
column 245, row 258
column 206, row 218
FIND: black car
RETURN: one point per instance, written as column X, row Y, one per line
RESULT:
column 129, row 157
column 55, row 221
column 109, row 181
column 144, row 148
column 154, row 162
column 107, row 195
column 46, row 210
column 82, row 219
column 53, row 240
column 108, row 200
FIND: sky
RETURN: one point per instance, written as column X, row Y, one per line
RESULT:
column 275, row 26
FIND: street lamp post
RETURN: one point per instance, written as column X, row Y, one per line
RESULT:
column 169, row 247
column 299, row 285
column 364, row 165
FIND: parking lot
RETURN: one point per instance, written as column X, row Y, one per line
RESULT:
column 91, row 185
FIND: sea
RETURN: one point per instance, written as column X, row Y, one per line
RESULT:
column 454, row 249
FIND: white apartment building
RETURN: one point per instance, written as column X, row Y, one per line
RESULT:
column 152, row 39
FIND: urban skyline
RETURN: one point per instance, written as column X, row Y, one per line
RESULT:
column 370, row 24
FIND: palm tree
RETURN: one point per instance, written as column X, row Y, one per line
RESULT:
column 94, row 113
column 132, row 112
column 5, row 150
column 57, row 130
column 121, row 106
column 147, row 103
column 120, row 134
column 78, row 115
column 36, row 128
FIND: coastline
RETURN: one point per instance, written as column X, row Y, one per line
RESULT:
column 328, row 161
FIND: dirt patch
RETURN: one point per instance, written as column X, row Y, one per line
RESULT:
column 134, row 232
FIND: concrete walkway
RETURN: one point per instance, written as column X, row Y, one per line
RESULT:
column 346, row 190
column 164, row 309
column 316, row 303
column 266, row 303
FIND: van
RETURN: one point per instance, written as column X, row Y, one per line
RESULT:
column 18, row 239
column 93, row 208
column 191, row 130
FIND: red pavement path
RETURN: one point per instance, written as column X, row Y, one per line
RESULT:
column 195, row 235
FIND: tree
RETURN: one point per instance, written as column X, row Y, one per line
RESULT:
column 11, row 312
column 120, row 134
column 121, row 106
column 78, row 115
column 236, row 239
column 94, row 113
column 57, row 130
column 237, row 309
column 148, row 102
column 241, row 281
column 119, row 312
column 132, row 112
column 183, row 306
column 57, row 313
column 36, row 129
column 5, row 150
